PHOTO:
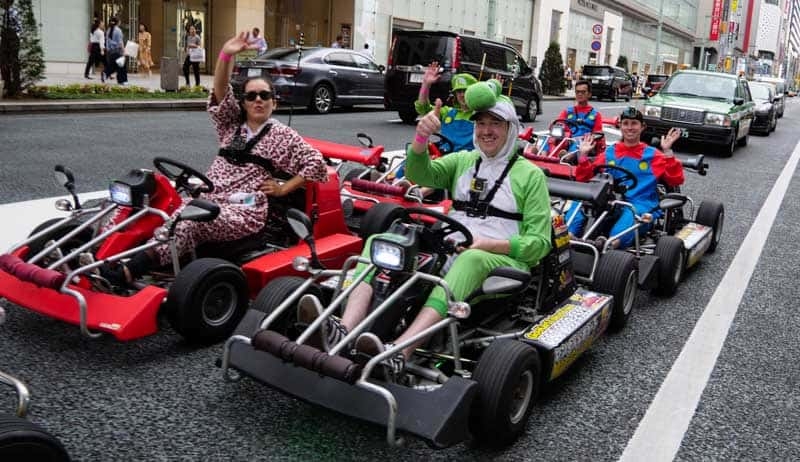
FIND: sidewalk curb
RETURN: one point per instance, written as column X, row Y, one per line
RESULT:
column 101, row 106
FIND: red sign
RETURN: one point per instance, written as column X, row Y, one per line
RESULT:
column 716, row 15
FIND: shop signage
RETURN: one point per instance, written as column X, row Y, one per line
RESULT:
column 716, row 15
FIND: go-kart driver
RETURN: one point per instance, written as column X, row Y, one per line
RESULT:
column 581, row 119
column 456, row 123
column 241, row 189
column 648, row 164
column 515, row 231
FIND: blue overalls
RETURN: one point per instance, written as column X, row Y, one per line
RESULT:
column 459, row 131
column 582, row 125
column 644, row 196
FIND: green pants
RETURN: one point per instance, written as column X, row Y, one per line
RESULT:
column 467, row 273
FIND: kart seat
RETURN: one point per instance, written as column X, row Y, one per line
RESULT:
column 596, row 192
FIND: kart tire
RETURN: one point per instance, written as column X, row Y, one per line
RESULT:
column 322, row 99
column 671, row 264
column 76, row 241
column 207, row 300
column 500, row 412
column 378, row 218
column 712, row 213
column 21, row 439
column 617, row 275
column 276, row 292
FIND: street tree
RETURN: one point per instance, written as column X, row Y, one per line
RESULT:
column 622, row 62
column 552, row 73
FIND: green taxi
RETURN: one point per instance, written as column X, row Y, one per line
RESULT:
column 710, row 107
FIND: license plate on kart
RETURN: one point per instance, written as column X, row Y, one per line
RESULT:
column 254, row 72
column 415, row 78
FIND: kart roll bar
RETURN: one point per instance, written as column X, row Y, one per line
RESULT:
column 23, row 395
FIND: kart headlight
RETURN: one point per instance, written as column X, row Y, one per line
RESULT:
column 133, row 189
column 720, row 120
column 120, row 193
column 394, row 251
column 557, row 131
column 652, row 111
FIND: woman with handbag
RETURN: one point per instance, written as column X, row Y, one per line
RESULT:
column 97, row 46
column 115, row 52
column 192, row 43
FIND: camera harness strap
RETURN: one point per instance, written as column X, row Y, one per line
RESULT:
column 238, row 153
column 475, row 207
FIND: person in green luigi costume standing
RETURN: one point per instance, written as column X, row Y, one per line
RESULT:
column 456, row 124
column 498, row 195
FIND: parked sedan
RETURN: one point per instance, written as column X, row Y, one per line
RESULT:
column 319, row 78
column 766, row 116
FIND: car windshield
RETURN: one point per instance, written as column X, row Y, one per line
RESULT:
column 588, row 70
column 700, row 85
column 760, row 92
column 410, row 50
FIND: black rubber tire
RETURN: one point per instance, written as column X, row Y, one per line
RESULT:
column 76, row 241
column 276, row 292
column 727, row 150
column 742, row 142
column 531, row 110
column 629, row 96
column 207, row 283
column 408, row 116
column 712, row 213
column 618, row 276
column 322, row 99
column 671, row 264
column 503, row 368
column 614, row 94
column 378, row 218
column 21, row 439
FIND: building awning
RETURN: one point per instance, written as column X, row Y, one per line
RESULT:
column 669, row 61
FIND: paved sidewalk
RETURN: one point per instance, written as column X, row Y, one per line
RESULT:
column 152, row 82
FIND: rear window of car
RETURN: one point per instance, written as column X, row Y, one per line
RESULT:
column 410, row 50
column 703, row 85
column 587, row 70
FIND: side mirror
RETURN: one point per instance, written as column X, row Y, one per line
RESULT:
column 365, row 140
column 64, row 177
column 299, row 222
column 738, row 101
column 199, row 210
column 381, row 68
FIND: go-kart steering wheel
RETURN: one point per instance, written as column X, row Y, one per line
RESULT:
column 444, row 144
column 182, row 177
column 628, row 180
column 449, row 226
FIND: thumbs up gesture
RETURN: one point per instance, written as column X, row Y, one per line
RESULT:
column 430, row 123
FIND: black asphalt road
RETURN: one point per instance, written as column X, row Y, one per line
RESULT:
column 160, row 399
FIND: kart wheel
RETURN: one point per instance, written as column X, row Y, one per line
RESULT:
column 71, row 244
column 509, row 377
column 671, row 263
column 21, row 439
column 617, row 275
column 322, row 99
column 276, row 292
column 207, row 300
column 712, row 213
column 378, row 218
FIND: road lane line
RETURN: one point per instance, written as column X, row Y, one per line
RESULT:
column 661, row 431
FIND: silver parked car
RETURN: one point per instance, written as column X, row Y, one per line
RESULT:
column 319, row 78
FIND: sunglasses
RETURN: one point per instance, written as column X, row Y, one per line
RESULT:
column 263, row 94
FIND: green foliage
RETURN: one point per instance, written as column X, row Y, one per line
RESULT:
column 10, row 29
column 552, row 73
column 31, row 55
column 622, row 62
column 106, row 91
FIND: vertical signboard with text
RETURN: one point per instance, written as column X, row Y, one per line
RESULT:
column 716, row 16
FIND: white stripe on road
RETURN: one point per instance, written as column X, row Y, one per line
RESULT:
column 661, row 431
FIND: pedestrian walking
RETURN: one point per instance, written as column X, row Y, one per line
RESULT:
column 115, row 49
column 97, row 46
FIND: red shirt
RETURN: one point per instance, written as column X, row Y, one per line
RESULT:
column 583, row 110
column 668, row 170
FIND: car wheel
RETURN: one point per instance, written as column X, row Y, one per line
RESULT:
column 68, row 246
column 742, row 141
column 275, row 293
column 727, row 150
column 628, row 96
column 712, row 213
column 21, row 439
column 378, row 218
column 774, row 123
column 616, row 275
column 207, row 300
column 509, row 377
column 409, row 117
column 531, row 110
column 671, row 263
column 322, row 99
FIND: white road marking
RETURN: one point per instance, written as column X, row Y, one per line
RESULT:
column 661, row 431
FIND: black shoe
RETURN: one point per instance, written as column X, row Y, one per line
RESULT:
column 330, row 332
column 114, row 274
column 87, row 77
column 368, row 345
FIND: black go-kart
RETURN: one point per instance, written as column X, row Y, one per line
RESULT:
column 677, row 240
column 481, row 367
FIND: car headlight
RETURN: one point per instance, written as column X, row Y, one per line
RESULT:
column 395, row 252
column 652, row 111
column 720, row 120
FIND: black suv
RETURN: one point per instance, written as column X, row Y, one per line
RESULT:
column 608, row 82
column 413, row 51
